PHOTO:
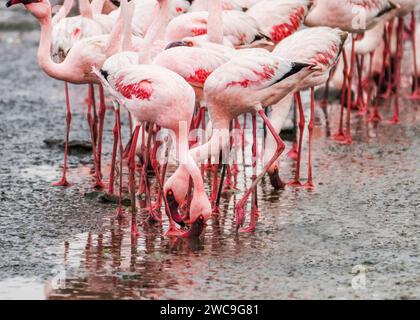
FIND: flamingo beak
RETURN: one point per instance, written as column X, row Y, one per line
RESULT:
column 275, row 180
column 173, row 208
column 13, row 2
column 175, row 44
column 196, row 228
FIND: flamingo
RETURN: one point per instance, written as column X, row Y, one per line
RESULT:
column 244, row 84
column 319, row 46
column 278, row 19
column 76, row 68
column 155, row 94
column 354, row 16
column 68, row 30
column 239, row 28
column 202, row 5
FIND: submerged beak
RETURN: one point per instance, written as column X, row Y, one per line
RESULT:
column 173, row 208
column 196, row 228
column 175, row 44
column 276, row 181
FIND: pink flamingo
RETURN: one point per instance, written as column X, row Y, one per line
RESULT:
column 155, row 94
column 244, row 84
column 321, row 47
column 76, row 68
column 279, row 19
column 355, row 16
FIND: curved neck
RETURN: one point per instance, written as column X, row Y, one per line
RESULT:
column 97, row 6
column 85, row 9
column 215, row 21
column 54, row 70
column 156, row 29
column 127, row 10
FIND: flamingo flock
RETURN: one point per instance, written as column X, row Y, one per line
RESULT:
column 177, row 66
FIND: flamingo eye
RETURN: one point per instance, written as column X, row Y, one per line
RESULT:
column 190, row 44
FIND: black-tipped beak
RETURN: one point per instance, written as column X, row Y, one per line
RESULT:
column 175, row 44
column 196, row 228
column 173, row 208
column 105, row 74
column 276, row 181
column 13, row 2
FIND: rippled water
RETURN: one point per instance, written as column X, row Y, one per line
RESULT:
column 63, row 243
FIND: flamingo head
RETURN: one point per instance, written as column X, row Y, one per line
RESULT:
column 196, row 228
column 40, row 9
column 200, row 207
column 176, row 189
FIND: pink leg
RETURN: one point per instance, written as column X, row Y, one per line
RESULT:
column 309, row 184
column 113, row 157
column 132, row 183
column 360, row 99
column 280, row 148
column 292, row 154
column 349, row 86
column 254, row 206
column 339, row 136
column 63, row 181
column 102, row 111
column 298, row 102
column 369, row 84
column 388, row 92
column 399, row 55
column 98, row 181
column 416, row 89
column 120, row 212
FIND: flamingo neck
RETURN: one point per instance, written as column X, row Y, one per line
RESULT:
column 54, row 70
column 85, row 9
column 219, row 141
column 156, row 30
column 97, row 6
column 215, row 21
column 127, row 9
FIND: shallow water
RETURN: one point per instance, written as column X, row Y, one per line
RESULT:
column 360, row 223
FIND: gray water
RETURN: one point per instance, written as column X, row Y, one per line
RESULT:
column 354, row 236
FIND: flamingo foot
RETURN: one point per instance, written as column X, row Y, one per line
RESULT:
column 375, row 117
column 309, row 185
column 249, row 229
column 173, row 231
column 155, row 215
column 338, row 137
column 253, row 223
column 347, row 141
column 394, row 120
column 414, row 96
column 294, row 183
column 98, row 184
column 62, row 183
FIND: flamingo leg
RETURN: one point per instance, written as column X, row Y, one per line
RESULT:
column 95, row 115
column 63, row 181
column 98, row 181
column 349, row 87
column 292, row 154
column 324, row 105
column 339, row 136
column 309, row 184
column 369, row 84
column 298, row 102
column 399, row 54
column 254, row 206
column 101, row 115
column 114, row 155
column 120, row 212
column 416, row 89
column 132, row 182
column 280, row 148
column 360, row 99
